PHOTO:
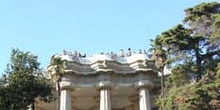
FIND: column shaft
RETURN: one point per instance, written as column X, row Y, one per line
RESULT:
column 144, row 99
column 105, row 103
column 65, row 100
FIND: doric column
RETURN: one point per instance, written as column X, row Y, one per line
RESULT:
column 65, row 96
column 143, row 88
column 65, row 99
column 105, row 100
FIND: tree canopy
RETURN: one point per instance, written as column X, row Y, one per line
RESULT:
column 23, row 82
column 192, row 50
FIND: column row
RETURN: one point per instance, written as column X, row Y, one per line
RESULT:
column 105, row 100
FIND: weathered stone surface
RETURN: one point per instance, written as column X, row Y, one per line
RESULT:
column 106, row 82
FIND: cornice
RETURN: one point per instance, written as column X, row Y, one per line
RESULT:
column 105, row 63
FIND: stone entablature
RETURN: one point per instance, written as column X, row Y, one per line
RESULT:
column 99, row 62
column 107, row 82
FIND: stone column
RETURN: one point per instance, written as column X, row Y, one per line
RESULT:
column 65, row 99
column 65, row 96
column 143, row 88
column 105, row 100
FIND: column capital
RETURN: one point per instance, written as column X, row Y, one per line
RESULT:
column 66, row 85
column 144, row 84
column 104, row 85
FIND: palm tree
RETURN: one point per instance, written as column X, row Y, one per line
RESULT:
column 57, row 68
column 160, row 57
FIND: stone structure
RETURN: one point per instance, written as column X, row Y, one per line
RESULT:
column 106, row 82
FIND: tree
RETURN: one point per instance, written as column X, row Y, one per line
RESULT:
column 24, row 82
column 159, row 55
column 193, row 51
column 56, row 69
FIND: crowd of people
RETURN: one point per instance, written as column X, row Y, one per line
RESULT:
column 114, row 55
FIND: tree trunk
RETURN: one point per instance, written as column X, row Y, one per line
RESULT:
column 162, row 87
column 58, row 92
column 198, row 63
column 58, row 95
column 33, row 106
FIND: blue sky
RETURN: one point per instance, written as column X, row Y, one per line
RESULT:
column 46, row 27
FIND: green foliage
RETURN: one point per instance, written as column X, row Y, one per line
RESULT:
column 177, row 73
column 56, row 66
column 202, row 95
column 24, row 83
column 201, row 17
column 56, row 69
column 193, row 52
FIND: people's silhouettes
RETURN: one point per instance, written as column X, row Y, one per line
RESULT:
column 129, row 52
column 121, row 53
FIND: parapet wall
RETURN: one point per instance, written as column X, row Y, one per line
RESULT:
column 107, row 62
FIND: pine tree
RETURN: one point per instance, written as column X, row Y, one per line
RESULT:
column 23, row 83
column 192, row 50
